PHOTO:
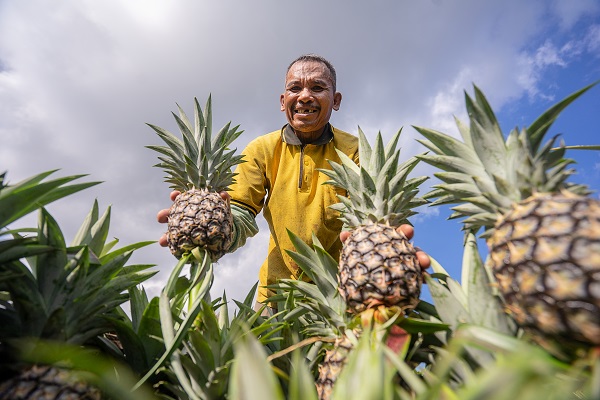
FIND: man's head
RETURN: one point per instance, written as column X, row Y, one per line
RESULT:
column 310, row 95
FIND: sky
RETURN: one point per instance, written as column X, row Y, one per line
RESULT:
column 79, row 80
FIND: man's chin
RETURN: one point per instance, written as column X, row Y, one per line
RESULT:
column 300, row 127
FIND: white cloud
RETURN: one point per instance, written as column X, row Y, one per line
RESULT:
column 592, row 40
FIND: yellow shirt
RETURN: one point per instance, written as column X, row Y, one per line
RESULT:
column 280, row 177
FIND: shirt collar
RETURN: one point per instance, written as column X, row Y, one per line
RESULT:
column 289, row 136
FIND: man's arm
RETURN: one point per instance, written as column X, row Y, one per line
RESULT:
column 244, row 227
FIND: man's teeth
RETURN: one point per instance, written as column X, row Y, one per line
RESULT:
column 306, row 111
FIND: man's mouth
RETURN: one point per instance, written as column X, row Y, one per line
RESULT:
column 304, row 111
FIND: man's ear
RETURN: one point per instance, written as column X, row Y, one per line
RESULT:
column 337, row 100
column 281, row 102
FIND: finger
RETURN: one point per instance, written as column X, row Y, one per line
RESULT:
column 344, row 235
column 174, row 194
column 424, row 260
column 407, row 230
column 225, row 196
column 163, row 216
column 163, row 241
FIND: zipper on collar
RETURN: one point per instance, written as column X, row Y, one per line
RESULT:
column 301, row 166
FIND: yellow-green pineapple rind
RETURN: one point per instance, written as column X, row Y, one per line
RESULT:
column 545, row 254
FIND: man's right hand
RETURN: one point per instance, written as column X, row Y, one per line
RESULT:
column 163, row 215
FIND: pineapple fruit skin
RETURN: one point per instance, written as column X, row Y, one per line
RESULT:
column 545, row 255
column 45, row 382
column 378, row 266
column 200, row 218
column 332, row 365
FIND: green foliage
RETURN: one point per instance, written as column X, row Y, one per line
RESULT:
column 54, row 297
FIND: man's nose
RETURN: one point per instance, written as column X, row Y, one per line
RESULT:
column 305, row 95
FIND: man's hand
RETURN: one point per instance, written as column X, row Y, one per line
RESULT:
column 163, row 215
column 409, row 232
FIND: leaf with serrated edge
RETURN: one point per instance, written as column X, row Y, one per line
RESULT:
column 251, row 376
column 485, row 307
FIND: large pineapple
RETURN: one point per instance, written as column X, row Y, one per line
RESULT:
column 542, row 232
column 199, row 166
column 378, row 265
column 55, row 292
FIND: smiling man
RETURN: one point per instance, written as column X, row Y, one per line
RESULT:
column 281, row 178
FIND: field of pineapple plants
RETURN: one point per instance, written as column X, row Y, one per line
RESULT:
column 522, row 323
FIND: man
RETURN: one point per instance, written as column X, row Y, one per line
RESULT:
column 280, row 176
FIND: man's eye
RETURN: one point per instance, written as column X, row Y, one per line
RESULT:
column 318, row 88
column 294, row 89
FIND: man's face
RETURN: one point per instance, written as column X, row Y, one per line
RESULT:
column 309, row 98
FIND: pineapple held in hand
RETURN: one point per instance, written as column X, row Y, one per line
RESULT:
column 378, row 265
column 199, row 166
column 542, row 232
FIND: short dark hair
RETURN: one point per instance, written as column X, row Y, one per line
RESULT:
column 319, row 59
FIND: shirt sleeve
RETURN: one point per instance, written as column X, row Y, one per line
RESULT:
column 244, row 227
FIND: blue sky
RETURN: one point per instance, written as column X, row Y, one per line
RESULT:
column 578, row 124
column 80, row 78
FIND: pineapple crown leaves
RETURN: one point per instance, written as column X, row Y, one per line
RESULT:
column 320, row 299
column 26, row 196
column 252, row 376
column 66, row 293
column 379, row 190
column 138, row 331
column 486, row 173
column 473, row 301
column 199, row 159
column 202, row 365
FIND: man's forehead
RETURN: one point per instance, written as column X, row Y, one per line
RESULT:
column 312, row 70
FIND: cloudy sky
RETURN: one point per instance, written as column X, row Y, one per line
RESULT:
column 80, row 78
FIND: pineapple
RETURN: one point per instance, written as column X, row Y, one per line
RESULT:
column 333, row 363
column 542, row 232
column 199, row 166
column 54, row 292
column 378, row 265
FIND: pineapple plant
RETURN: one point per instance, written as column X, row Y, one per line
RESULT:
column 317, row 312
column 198, row 166
column 378, row 265
column 51, row 291
column 379, row 276
column 542, row 232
